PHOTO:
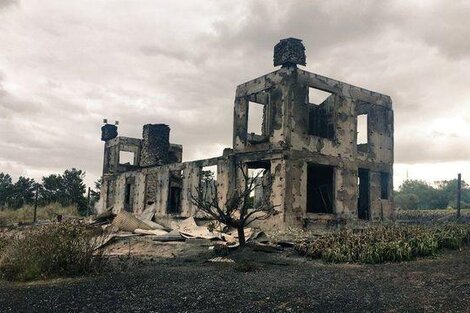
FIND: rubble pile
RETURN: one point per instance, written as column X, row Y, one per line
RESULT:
column 125, row 225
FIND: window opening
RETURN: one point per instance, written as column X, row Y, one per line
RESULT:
column 126, row 157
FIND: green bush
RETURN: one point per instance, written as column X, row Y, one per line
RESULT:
column 64, row 249
column 429, row 216
column 385, row 243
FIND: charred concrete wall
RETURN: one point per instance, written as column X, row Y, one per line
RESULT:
column 320, row 171
column 111, row 161
column 152, row 186
column 287, row 94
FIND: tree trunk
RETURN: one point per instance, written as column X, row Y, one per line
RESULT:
column 241, row 235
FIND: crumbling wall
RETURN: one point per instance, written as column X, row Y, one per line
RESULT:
column 151, row 187
column 335, row 145
column 269, row 91
column 296, row 137
column 175, row 154
column 138, row 196
column 192, row 177
column 111, row 158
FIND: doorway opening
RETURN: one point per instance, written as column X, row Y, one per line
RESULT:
column 174, row 192
column 259, row 173
column 320, row 184
column 363, row 199
column 129, row 194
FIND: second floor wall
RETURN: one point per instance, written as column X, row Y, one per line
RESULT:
column 349, row 122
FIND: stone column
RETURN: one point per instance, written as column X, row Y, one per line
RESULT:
column 155, row 145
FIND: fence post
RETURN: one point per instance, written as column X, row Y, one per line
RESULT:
column 36, row 204
column 459, row 193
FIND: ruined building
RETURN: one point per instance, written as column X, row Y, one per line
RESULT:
column 327, row 145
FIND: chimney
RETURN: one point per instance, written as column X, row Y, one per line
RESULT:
column 289, row 52
column 108, row 132
column 155, row 145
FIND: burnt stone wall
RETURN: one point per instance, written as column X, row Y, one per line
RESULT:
column 155, row 145
column 175, row 154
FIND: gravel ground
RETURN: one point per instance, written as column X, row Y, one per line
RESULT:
column 280, row 284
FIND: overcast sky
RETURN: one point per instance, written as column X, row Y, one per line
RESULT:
column 65, row 65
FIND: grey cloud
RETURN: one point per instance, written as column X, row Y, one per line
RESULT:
column 153, row 50
column 424, row 150
column 7, row 3
column 120, row 63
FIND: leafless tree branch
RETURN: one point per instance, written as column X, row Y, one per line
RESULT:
column 236, row 211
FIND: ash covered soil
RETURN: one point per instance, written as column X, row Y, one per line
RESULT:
column 281, row 282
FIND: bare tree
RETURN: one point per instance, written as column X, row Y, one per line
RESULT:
column 239, row 210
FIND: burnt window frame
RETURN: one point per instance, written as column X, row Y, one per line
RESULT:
column 321, row 122
column 262, row 98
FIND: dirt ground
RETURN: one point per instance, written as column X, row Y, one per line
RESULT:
column 183, row 281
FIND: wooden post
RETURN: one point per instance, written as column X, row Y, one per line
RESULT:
column 36, row 203
column 88, row 202
column 459, row 193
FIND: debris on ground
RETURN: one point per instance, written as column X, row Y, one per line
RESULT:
column 104, row 218
column 173, row 235
column 189, row 229
column 126, row 221
column 125, row 226
column 220, row 259
column 157, row 232
column 144, row 224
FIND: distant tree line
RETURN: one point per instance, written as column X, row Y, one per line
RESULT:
column 417, row 194
column 67, row 189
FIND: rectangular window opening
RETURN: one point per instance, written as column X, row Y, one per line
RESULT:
column 208, row 181
column 320, row 183
column 209, row 172
column 317, row 96
column 363, row 199
column 384, row 183
column 126, row 157
column 362, row 129
column 255, row 118
column 321, row 114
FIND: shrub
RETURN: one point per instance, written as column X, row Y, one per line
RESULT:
column 429, row 216
column 64, row 249
column 4, row 240
column 385, row 243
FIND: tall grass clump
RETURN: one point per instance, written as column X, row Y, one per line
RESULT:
column 25, row 214
column 56, row 250
column 385, row 243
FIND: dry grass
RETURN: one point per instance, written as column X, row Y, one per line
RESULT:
column 26, row 213
column 65, row 249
